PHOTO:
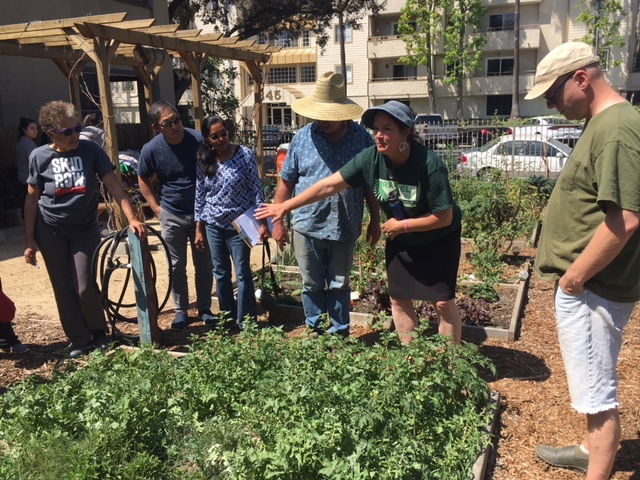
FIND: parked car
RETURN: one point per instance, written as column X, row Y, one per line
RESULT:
column 476, row 135
column 519, row 156
column 271, row 136
column 431, row 129
column 557, row 128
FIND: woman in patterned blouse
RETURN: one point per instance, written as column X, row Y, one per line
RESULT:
column 227, row 185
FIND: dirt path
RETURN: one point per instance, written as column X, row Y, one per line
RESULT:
column 535, row 406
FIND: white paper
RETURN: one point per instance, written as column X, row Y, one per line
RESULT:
column 249, row 228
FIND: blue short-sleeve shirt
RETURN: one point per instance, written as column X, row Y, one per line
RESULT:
column 311, row 158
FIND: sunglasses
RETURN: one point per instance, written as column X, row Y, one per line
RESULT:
column 216, row 136
column 70, row 131
column 169, row 123
column 550, row 96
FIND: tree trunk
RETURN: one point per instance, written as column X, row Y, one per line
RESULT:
column 515, row 106
column 460, row 77
column 343, row 57
column 431, row 83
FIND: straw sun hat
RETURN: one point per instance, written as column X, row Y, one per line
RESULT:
column 328, row 102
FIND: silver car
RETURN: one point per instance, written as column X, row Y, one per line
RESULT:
column 519, row 156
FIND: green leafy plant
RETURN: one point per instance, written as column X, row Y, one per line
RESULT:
column 254, row 407
column 496, row 210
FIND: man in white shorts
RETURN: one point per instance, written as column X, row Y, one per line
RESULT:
column 591, row 246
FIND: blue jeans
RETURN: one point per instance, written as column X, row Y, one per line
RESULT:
column 224, row 245
column 325, row 266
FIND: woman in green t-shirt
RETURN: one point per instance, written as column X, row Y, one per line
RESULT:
column 423, row 227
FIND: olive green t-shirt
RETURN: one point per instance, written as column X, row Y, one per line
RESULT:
column 603, row 167
column 422, row 183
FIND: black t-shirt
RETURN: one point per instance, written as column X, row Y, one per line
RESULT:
column 422, row 183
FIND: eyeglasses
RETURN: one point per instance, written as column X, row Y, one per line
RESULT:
column 70, row 131
column 170, row 123
column 550, row 96
column 216, row 136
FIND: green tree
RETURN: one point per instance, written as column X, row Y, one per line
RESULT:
column 462, row 44
column 421, row 26
column 603, row 19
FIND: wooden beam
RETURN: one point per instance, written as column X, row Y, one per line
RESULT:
column 168, row 43
column 39, row 51
column 31, row 34
column 141, row 23
column 62, row 23
column 159, row 29
column 193, row 62
column 188, row 34
column 258, row 90
column 72, row 70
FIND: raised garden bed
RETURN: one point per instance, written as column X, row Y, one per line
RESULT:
column 500, row 320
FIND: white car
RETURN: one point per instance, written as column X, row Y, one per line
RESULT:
column 557, row 128
column 519, row 156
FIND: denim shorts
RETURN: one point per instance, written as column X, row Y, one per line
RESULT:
column 590, row 335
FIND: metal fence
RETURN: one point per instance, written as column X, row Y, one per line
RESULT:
column 538, row 146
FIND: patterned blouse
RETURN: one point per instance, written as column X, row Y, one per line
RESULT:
column 234, row 189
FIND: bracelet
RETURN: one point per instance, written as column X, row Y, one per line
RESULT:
column 405, row 225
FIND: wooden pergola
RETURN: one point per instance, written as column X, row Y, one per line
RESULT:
column 111, row 40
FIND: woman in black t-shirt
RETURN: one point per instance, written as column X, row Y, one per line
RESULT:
column 423, row 230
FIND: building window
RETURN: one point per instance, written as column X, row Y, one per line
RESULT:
column 502, row 21
column 636, row 62
column 396, row 26
column 282, row 75
column 129, row 86
column 404, row 72
column 306, row 38
column 634, row 97
column 308, row 74
column 285, row 39
column 262, row 39
column 499, row 66
column 338, row 69
column 499, row 105
column 348, row 34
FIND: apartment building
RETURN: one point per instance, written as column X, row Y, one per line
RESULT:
column 375, row 75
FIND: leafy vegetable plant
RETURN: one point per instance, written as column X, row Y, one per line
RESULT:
column 259, row 406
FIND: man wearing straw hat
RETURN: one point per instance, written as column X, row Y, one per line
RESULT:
column 590, row 245
column 324, row 233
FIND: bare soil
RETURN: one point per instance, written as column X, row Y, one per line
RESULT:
column 530, row 378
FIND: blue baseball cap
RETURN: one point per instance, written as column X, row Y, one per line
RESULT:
column 397, row 110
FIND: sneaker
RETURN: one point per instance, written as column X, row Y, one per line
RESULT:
column 567, row 457
column 208, row 318
column 180, row 322
column 101, row 340
column 19, row 348
column 77, row 350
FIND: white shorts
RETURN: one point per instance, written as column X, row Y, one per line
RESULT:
column 590, row 335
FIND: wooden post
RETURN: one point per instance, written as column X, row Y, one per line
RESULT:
column 146, row 297
column 193, row 62
column 258, row 90
column 72, row 71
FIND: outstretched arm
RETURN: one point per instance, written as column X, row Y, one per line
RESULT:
column 323, row 189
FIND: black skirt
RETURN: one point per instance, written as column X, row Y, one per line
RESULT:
column 425, row 272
